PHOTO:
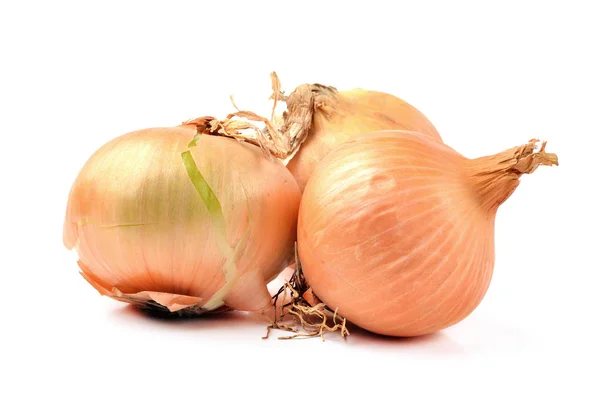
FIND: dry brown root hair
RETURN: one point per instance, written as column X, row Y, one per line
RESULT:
column 304, row 315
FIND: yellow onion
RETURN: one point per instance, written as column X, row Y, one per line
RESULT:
column 183, row 221
column 318, row 119
column 327, row 118
column 396, row 229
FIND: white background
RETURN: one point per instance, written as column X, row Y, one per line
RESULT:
column 74, row 75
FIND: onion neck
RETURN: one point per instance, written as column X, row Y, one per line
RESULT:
column 302, row 104
column 281, row 141
column 202, row 125
column 494, row 178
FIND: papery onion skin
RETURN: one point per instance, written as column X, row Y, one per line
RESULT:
column 396, row 229
column 340, row 116
column 142, row 231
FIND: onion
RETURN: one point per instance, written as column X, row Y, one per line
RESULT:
column 317, row 120
column 190, row 229
column 328, row 118
column 396, row 229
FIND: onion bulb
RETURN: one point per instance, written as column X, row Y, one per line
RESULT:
column 396, row 229
column 183, row 221
column 336, row 117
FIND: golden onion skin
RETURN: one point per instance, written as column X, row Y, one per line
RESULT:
column 143, row 232
column 396, row 229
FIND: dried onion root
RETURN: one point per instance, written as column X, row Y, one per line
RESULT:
column 304, row 314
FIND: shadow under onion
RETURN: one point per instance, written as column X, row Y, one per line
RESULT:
column 435, row 343
column 205, row 320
